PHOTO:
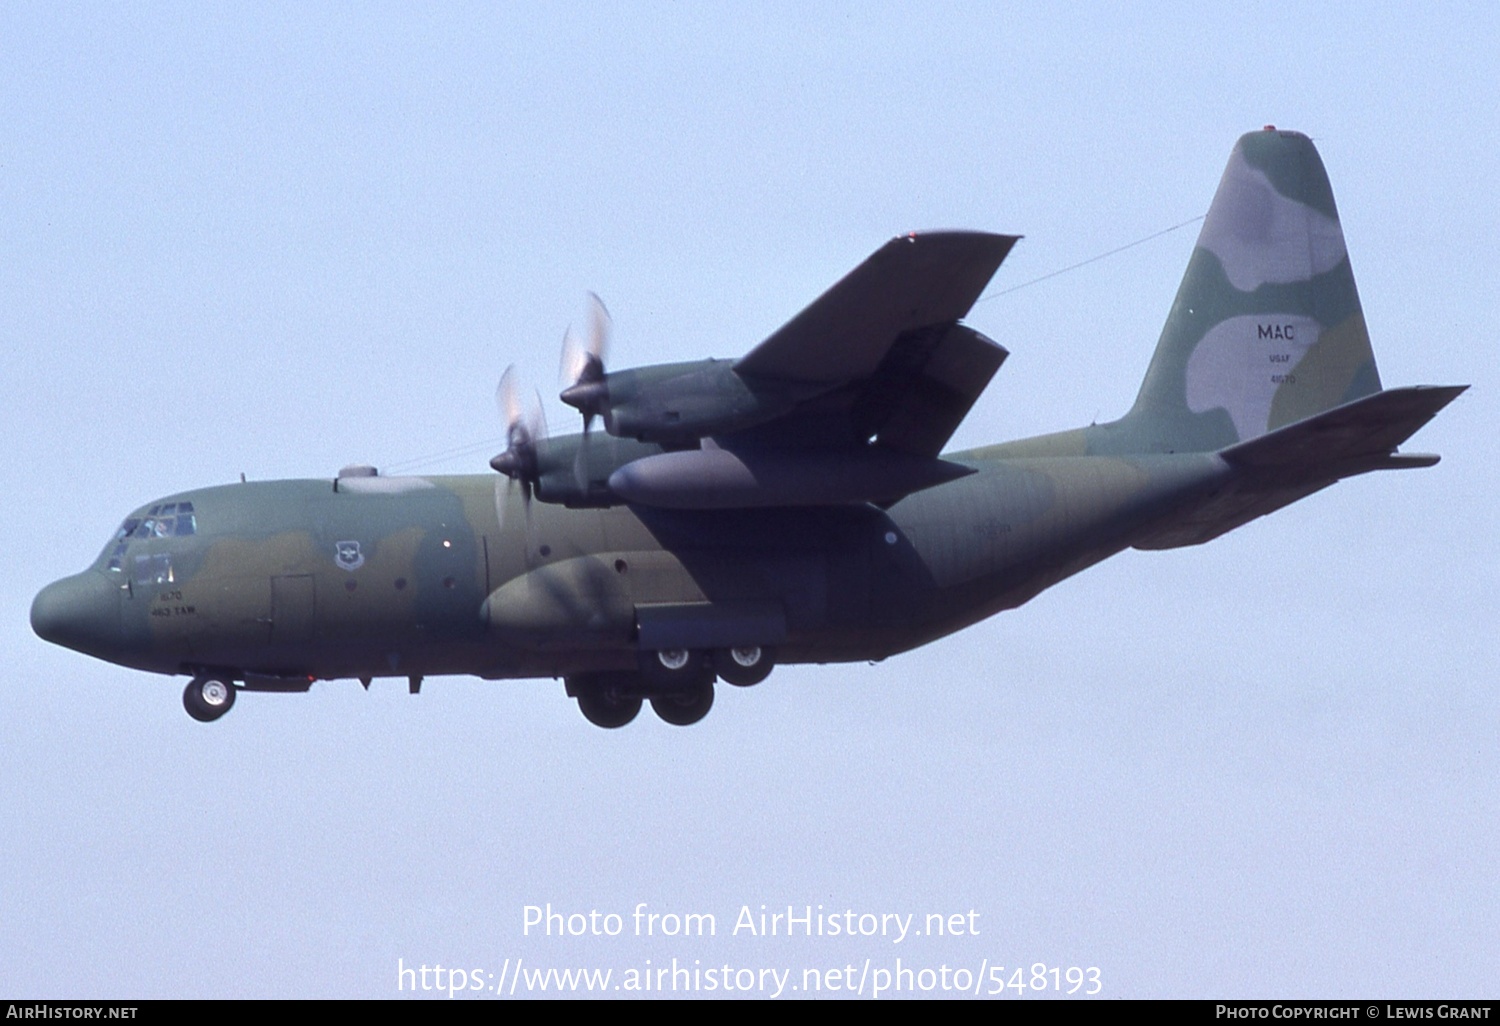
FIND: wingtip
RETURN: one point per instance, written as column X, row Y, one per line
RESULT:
column 933, row 234
column 1445, row 393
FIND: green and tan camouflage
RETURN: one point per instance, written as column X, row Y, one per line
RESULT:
column 1266, row 329
column 1262, row 390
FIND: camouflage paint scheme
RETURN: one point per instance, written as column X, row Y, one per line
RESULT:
column 1263, row 389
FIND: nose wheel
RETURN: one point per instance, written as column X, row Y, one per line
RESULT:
column 208, row 696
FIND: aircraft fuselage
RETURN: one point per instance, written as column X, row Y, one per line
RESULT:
column 371, row 577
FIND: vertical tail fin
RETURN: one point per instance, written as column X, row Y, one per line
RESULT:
column 1266, row 329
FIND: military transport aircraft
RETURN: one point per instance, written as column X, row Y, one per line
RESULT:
column 790, row 506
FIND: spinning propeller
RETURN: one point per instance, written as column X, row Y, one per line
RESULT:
column 583, row 365
column 584, row 389
column 524, row 430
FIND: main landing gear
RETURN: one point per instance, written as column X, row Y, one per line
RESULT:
column 208, row 696
column 606, row 700
column 686, row 707
column 744, row 666
column 678, row 682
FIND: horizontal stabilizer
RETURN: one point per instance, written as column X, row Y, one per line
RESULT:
column 1365, row 431
column 1291, row 463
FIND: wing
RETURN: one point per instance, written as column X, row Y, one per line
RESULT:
column 850, row 401
column 912, row 283
column 886, row 345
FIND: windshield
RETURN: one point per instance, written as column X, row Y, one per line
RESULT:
column 165, row 520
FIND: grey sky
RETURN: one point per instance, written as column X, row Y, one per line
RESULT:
column 275, row 240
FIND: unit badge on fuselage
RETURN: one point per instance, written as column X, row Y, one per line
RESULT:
column 347, row 555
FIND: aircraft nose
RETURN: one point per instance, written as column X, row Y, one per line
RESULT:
column 81, row 612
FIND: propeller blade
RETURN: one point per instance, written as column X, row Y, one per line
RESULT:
column 573, row 359
column 583, row 364
column 583, row 359
column 507, row 398
column 503, row 492
column 538, row 418
column 581, row 463
column 523, row 430
column 600, row 326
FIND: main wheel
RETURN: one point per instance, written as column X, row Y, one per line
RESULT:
column 684, row 707
column 744, row 665
column 675, row 669
column 208, row 696
column 606, row 707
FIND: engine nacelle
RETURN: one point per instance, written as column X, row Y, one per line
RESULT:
column 574, row 470
column 714, row 478
column 677, row 404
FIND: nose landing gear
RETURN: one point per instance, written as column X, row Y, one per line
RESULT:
column 208, row 696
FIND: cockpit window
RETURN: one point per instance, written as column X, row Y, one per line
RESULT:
column 173, row 518
column 153, row 569
column 122, row 540
column 164, row 520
